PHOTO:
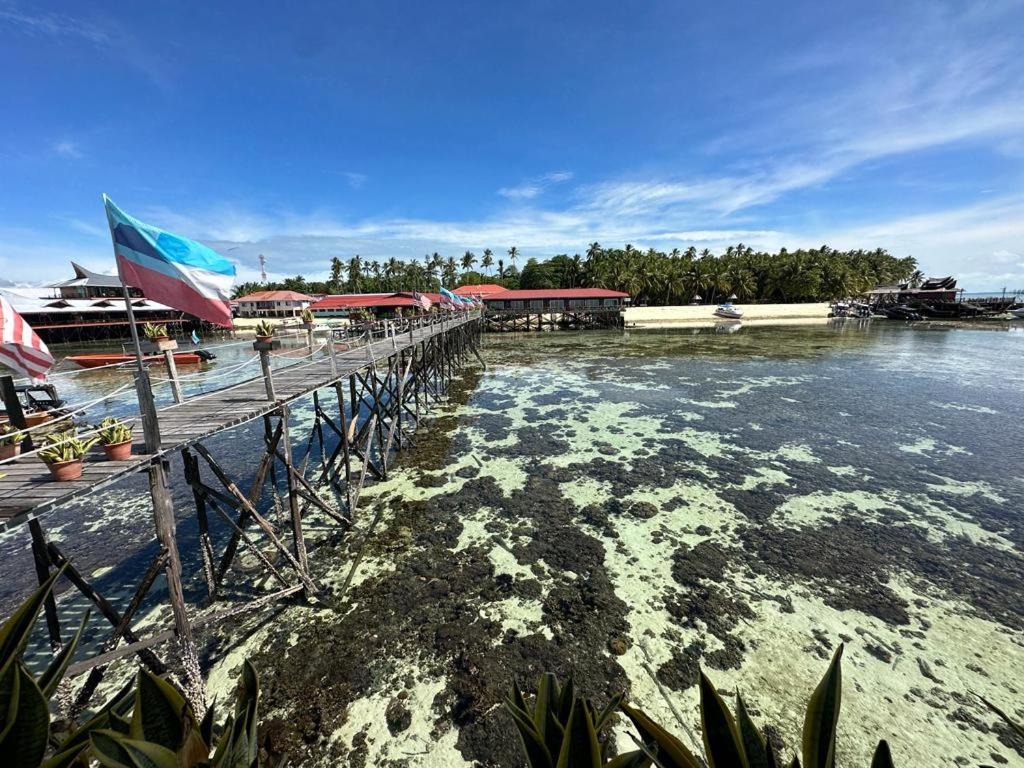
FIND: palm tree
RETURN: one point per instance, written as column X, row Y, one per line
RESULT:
column 501, row 269
column 593, row 250
column 488, row 260
column 355, row 272
column 336, row 267
column 513, row 254
column 468, row 260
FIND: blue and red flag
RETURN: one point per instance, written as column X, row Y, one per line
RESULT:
column 170, row 269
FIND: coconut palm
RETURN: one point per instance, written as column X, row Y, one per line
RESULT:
column 488, row 260
column 513, row 254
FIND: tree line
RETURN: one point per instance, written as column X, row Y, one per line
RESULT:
column 650, row 276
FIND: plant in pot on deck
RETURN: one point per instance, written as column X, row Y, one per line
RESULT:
column 10, row 441
column 116, row 438
column 264, row 331
column 63, row 452
column 155, row 333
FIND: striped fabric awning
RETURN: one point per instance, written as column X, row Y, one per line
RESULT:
column 20, row 347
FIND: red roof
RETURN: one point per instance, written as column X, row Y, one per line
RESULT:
column 362, row 300
column 275, row 296
column 484, row 289
column 558, row 293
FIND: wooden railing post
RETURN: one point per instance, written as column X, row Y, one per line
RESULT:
column 264, row 347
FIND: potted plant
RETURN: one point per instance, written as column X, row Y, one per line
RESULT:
column 116, row 438
column 10, row 441
column 308, row 318
column 156, row 333
column 63, row 452
column 264, row 331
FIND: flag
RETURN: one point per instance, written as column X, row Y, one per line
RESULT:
column 20, row 346
column 195, row 337
column 423, row 301
column 173, row 270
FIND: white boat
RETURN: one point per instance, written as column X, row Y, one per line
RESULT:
column 1019, row 312
column 728, row 311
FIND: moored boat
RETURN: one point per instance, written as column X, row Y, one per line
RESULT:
column 728, row 311
column 100, row 359
column 901, row 313
column 1019, row 312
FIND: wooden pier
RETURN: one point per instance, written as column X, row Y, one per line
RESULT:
column 366, row 400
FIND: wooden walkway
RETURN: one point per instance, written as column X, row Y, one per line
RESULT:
column 27, row 491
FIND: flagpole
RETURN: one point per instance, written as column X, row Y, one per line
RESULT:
column 131, row 321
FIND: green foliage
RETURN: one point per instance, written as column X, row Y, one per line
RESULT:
column 114, row 431
column 154, row 331
column 65, row 446
column 10, row 435
column 308, row 317
column 562, row 729
column 264, row 328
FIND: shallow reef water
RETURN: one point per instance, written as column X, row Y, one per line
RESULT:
column 630, row 508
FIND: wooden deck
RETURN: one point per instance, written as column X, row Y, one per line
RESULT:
column 26, row 489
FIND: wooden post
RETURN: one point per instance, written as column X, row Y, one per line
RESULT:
column 293, row 496
column 268, row 380
column 13, row 407
column 166, row 533
column 172, row 371
column 42, row 563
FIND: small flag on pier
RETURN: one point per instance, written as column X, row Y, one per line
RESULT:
column 423, row 301
column 173, row 270
column 20, row 347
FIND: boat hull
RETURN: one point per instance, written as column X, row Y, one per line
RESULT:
column 100, row 360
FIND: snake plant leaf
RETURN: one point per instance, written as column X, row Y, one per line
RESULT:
column 66, row 758
column 671, row 752
column 883, row 757
column 121, row 703
column 25, row 740
column 518, row 701
column 160, row 711
column 14, row 632
column 819, row 737
column 206, row 726
column 550, row 730
column 773, row 761
column 115, row 751
column 8, row 698
column 795, row 763
column 754, row 744
column 636, row 759
column 566, row 698
column 580, row 748
column 537, row 753
column 1014, row 726
column 722, row 743
column 51, row 678
column 602, row 717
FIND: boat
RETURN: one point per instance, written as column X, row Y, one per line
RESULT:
column 1018, row 312
column 901, row 313
column 728, row 311
column 98, row 360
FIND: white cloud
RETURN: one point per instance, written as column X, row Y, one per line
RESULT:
column 67, row 149
column 530, row 188
column 355, row 180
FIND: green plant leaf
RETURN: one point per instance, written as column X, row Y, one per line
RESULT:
column 8, row 698
column 754, row 745
column 722, row 743
column 51, row 678
column 161, row 714
column 544, row 720
column 537, row 754
column 25, row 741
column 819, row 738
column 883, row 757
column 636, row 759
column 102, row 719
column 602, row 717
column 66, row 758
column 580, row 748
column 671, row 752
column 14, row 632
column 566, row 698
column 115, row 751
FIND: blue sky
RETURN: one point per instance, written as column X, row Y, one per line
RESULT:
column 400, row 128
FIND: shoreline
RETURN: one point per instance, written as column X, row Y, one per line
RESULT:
column 703, row 315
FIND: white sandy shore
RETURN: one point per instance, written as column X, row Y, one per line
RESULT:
column 754, row 314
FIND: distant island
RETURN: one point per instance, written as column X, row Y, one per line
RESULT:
column 649, row 276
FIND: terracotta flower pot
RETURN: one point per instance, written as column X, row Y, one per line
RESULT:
column 63, row 471
column 9, row 450
column 158, row 339
column 265, row 339
column 118, row 451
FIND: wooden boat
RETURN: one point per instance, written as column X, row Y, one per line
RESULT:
column 99, row 360
column 728, row 311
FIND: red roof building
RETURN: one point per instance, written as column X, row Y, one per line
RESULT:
column 556, row 300
column 342, row 304
column 482, row 290
column 272, row 304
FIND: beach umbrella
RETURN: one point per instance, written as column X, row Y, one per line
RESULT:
column 733, row 297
